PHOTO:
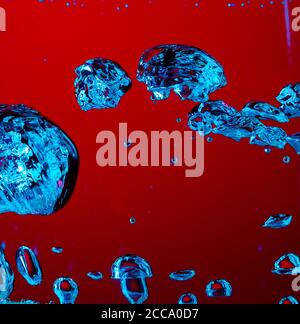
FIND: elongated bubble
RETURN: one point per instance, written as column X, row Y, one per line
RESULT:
column 28, row 266
column 132, row 272
column 6, row 277
column 182, row 275
column 66, row 290
column 278, row 221
column 95, row 275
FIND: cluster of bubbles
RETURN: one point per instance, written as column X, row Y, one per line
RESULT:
column 29, row 268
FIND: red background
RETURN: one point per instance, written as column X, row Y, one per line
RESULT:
column 211, row 224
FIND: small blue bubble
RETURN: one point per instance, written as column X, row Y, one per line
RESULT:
column 57, row 250
column 278, row 221
column 182, row 275
column 95, row 275
column 219, row 288
column 188, row 299
column 66, row 290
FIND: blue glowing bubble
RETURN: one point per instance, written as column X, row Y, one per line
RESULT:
column 182, row 275
column 57, row 250
column 28, row 266
column 286, row 160
column 219, row 288
column 212, row 114
column 38, row 163
column 294, row 141
column 100, row 83
column 268, row 150
column 66, row 290
column 188, row 299
column 290, row 300
column 132, row 220
column 22, row 302
column 191, row 73
column 289, row 98
column 269, row 136
column 132, row 271
column 238, row 127
column 7, row 277
column 287, row 264
column 264, row 111
column 278, row 221
column 95, row 275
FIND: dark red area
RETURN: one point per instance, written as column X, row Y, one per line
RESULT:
column 211, row 224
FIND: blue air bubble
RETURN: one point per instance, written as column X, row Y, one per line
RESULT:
column 132, row 220
column 57, row 250
column 269, row 136
column 183, row 275
column 188, row 299
column 28, row 266
column 191, row 73
column 95, row 275
column 287, row 264
column 208, row 116
column 38, row 163
column 289, row 98
column 278, row 221
column 22, row 302
column 100, row 83
column 286, row 160
column 66, row 290
column 7, row 277
column 132, row 271
column 219, row 288
column 289, row 301
column 264, row 111
column 294, row 141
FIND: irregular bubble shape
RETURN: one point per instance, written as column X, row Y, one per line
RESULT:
column 287, row 264
column 57, row 249
column 38, row 163
column 269, row 136
column 100, row 83
column 278, row 221
column 294, row 141
column 219, row 288
column 132, row 271
column 66, row 290
column 238, row 127
column 183, row 275
column 290, row 300
column 95, row 275
column 22, row 302
column 264, row 111
column 188, row 299
column 190, row 72
column 7, row 277
column 289, row 98
column 28, row 266
column 207, row 116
